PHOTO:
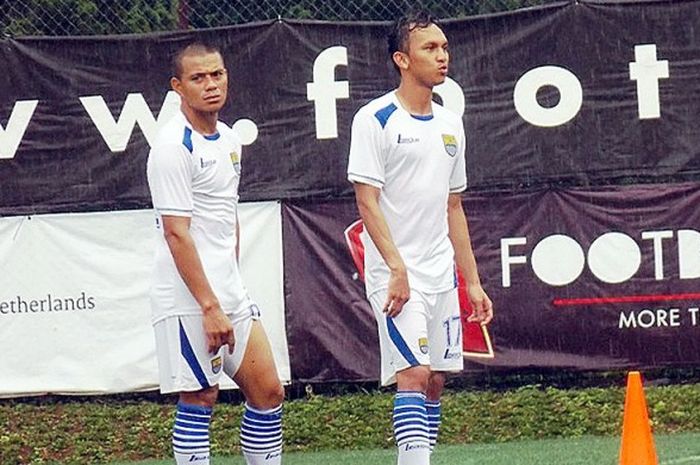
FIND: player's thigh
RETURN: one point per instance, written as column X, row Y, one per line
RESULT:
column 242, row 321
column 257, row 374
column 445, row 332
column 387, row 364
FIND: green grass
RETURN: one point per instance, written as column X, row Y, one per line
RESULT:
column 676, row 449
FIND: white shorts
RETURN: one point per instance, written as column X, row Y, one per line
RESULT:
column 428, row 331
column 184, row 362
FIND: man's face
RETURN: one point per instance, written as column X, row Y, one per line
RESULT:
column 203, row 84
column 427, row 55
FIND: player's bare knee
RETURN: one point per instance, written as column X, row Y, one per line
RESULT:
column 273, row 396
column 267, row 397
column 413, row 379
column 205, row 397
column 436, row 384
column 277, row 395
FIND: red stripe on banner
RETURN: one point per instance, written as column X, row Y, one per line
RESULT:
column 624, row 299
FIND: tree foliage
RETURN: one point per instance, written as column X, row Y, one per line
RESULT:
column 99, row 17
column 82, row 17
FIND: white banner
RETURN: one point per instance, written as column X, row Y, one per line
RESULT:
column 74, row 308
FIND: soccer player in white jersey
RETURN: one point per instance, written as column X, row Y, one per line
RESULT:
column 205, row 323
column 408, row 169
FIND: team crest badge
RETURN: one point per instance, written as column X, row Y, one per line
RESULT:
column 216, row 363
column 236, row 160
column 450, row 143
column 423, row 344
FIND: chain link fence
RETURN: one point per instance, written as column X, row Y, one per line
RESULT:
column 83, row 17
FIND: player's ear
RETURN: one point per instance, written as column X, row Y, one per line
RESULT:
column 401, row 59
column 176, row 85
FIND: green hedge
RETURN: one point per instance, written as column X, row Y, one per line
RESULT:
column 109, row 429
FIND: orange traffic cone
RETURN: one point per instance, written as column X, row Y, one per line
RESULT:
column 637, row 446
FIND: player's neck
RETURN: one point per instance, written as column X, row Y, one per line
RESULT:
column 414, row 98
column 202, row 122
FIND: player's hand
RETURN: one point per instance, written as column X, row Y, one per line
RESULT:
column 218, row 329
column 482, row 305
column 398, row 293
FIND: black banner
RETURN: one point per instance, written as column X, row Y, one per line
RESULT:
column 573, row 93
column 580, row 279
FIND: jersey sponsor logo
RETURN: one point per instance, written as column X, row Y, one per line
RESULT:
column 206, row 163
column 236, row 160
column 450, row 143
column 216, row 364
column 423, row 344
column 407, row 140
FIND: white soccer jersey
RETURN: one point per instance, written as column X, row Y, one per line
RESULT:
column 196, row 176
column 416, row 161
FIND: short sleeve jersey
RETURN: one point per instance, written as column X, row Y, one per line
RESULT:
column 416, row 162
column 196, row 176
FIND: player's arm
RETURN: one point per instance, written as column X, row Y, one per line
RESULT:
column 217, row 326
column 169, row 172
column 375, row 224
column 466, row 262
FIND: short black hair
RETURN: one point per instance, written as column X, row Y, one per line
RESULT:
column 397, row 40
column 194, row 48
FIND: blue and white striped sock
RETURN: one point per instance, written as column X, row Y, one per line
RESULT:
column 261, row 436
column 191, row 434
column 434, row 411
column 411, row 428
